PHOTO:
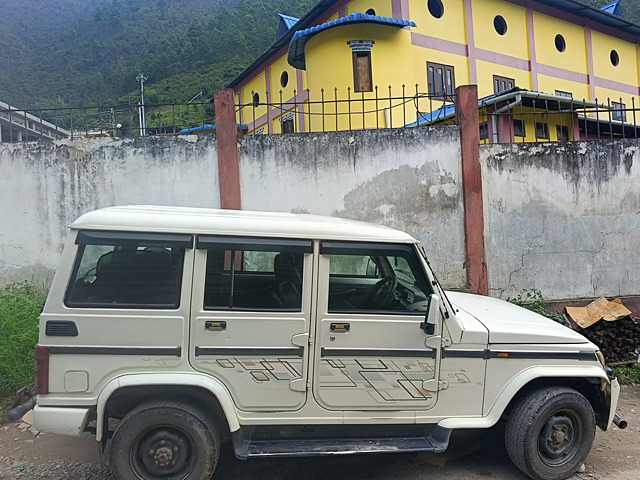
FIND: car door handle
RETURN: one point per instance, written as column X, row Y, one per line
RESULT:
column 340, row 327
column 215, row 326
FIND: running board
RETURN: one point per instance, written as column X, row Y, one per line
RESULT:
column 246, row 445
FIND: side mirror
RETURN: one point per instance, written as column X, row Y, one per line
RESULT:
column 431, row 318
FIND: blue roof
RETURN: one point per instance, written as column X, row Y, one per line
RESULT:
column 613, row 8
column 301, row 37
column 286, row 22
column 206, row 127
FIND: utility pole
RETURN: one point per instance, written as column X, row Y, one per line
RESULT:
column 141, row 118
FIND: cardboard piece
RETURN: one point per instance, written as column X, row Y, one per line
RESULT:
column 600, row 309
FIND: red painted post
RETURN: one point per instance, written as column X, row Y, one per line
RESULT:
column 466, row 104
column 226, row 137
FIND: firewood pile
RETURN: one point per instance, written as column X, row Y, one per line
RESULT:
column 609, row 325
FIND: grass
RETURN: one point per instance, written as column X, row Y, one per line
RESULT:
column 534, row 301
column 20, row 305
column 627, row 375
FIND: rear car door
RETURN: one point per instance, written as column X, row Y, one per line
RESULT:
column 250, row 318
column 371, row 352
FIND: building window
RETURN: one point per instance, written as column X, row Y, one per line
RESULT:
column 542, row 130
column 500, row 24
column 287, row 125
column 502, row 84
column 256, row 99
column 362, row 72
column 518, row 128
column 618, row 112
column 284, row 79
column 441, row 79
column 436, row 8
column 560, row 93
column 484, row 131
column 615, row 58
column 371, row 11
column 561, row 45
column 563, row 133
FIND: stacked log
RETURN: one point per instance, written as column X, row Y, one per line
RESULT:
column 619, row 340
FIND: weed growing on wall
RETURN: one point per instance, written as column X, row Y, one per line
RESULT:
column 20, row 305
column 534, row 301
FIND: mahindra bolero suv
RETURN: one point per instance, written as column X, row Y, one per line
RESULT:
column 168, row 330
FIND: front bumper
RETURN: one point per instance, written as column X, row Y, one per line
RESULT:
column 612, row 393
column 61, row 420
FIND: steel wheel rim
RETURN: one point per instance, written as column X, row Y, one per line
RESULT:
column 560, row 438
column 163, row 452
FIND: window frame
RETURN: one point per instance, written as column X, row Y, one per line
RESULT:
column 243, row 244
column 126, row 239
column 545, row 130
column 619, row 109
column 448, row 71
column 564, row 129
column 356, row 75
column 506, row 80
column 329, row 248
column 522, row 127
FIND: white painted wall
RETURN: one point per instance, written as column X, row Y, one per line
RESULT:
column 562, row 218
column 409, row 179
column 45, row 186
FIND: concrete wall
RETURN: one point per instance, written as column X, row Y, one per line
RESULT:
column 408, row 179
column 45, row 186
column 562, row 218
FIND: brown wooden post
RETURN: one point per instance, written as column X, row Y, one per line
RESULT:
column 226, row 137
column 466, row 104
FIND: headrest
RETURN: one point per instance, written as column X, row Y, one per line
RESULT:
column 285, row 267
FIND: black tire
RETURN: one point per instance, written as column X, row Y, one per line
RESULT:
column 549, row 433
column 154, row 435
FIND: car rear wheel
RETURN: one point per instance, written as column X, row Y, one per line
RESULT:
column 164, row 440
column 549, row 433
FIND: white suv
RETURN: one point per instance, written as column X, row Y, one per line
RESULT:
column 169, row 329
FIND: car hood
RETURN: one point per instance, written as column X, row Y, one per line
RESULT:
column 509, row 323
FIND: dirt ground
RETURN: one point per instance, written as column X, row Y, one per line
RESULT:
column 472, row 456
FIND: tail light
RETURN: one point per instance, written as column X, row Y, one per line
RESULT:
column 42, row 369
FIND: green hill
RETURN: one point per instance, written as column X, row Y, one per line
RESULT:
column 90, row 51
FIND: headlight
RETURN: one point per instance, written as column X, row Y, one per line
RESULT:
column 600, row 357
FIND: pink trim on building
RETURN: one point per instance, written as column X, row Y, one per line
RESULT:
column 301, row 106
column 471, row 48
column 502, row 59
column 400, row 9
column 591, row 76
column 562, row 74
column 267, row 78
column 434, row 43
column 533, row 64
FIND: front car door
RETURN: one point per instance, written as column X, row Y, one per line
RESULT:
column 250, row 318
column 371, row 352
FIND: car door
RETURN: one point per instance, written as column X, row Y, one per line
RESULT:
column 371, row 350
column 250, row 318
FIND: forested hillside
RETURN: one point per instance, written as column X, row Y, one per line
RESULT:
column 79, row 52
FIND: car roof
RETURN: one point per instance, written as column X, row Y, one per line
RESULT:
column 152, row 218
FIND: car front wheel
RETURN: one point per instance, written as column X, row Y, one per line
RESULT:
column 549, row 433
column 164, row 440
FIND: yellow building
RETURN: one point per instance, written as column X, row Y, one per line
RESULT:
column 383, row 63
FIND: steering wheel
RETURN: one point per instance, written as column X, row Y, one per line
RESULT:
column 383, row 292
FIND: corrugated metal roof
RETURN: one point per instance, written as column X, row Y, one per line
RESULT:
column 206, row 127
column 286, row 23
column 300, row 38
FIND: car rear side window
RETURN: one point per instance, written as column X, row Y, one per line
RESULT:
column 119, row 270
column 254, row 274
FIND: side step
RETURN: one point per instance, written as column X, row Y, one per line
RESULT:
column 249, row 442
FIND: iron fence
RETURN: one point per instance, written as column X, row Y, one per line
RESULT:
column 335, row 110
column 120, row 121
column 558, row 119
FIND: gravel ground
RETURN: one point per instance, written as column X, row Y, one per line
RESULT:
column 25, row 454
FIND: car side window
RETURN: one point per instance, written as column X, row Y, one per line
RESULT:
column 119, row 270
column 247, row 275
column 367, row 278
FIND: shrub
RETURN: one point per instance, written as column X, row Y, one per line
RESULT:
column 533, row 300
column 20, row 306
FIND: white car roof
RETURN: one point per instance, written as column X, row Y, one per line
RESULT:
column 152, row 218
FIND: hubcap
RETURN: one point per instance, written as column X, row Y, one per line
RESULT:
column 163, row 452
column 560, row 438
